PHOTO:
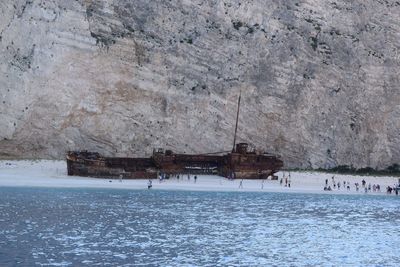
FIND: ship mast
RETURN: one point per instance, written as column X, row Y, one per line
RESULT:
column 237, row 119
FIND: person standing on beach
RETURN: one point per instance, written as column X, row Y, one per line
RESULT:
column 149, row 184
column 281, row 181
column 195, row 178
column 241, row 184
column 388, row 190
column 326, row 182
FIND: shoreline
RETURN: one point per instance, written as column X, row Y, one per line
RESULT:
column 53, row 174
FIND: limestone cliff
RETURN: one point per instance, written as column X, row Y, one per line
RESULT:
column 319, row 79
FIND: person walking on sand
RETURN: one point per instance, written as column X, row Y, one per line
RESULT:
column 241, row 184
column 326, row 182
column 149, row 184
column 195, row 178
column 281, row 181
column 262, row 184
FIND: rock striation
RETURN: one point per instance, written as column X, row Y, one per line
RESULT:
column 319, row 79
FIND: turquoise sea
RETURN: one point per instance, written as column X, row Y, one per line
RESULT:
column 98, row 227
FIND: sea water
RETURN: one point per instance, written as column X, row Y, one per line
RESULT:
column 99, row 227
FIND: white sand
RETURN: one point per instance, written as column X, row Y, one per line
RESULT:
column 46, row 173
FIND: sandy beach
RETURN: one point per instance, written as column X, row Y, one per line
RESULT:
column 48, row 173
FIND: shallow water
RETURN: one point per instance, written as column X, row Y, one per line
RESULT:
column 89, row 227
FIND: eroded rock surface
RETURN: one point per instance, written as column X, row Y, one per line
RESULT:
column 319, row 79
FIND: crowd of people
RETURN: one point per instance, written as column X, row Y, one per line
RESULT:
column 395, row 189
column 162, row 176
column 286, row 181
column 337, row 185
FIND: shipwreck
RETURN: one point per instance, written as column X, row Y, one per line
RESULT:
column 240, row 162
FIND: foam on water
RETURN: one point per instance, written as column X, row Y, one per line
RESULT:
column 90, row 227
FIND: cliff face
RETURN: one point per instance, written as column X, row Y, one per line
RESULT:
column 319, row 79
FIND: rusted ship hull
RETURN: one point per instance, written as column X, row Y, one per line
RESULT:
column 237, row 164
column 94, row 165
column 249, row 165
